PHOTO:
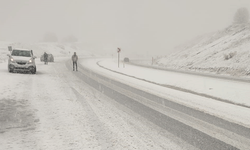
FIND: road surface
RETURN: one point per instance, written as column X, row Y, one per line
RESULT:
column 61, row 109
column 199, row 127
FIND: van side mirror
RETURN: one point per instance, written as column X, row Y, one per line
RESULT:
column 34, row 57
column 8, row 55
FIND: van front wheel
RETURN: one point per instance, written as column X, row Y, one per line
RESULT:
column 32, row 70
column 10, row 69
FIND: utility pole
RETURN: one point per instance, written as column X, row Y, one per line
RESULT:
column 118, row 51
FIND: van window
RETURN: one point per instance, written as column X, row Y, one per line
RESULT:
column 21, row 53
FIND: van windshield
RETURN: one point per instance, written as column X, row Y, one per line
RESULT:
column 21, row 53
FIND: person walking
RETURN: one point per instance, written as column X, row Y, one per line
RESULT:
column 74, row 59
column 45, row 58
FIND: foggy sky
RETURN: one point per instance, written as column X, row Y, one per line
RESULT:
column 145, row 26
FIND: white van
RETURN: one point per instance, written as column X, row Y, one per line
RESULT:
column 21, row 60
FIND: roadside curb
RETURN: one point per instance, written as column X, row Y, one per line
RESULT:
column 178, row 88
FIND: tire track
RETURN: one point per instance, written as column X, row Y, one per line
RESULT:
column 186, row 132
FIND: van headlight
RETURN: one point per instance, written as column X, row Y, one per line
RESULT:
column 12, row 60
column 30, row 61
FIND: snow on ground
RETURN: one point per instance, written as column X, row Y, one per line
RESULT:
column 233, row 91
column 55, row 110
column 225, row 52
column 4, row 50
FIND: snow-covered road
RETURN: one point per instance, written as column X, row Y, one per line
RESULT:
column 167, row 114
column 54, row 109
column 130, row 75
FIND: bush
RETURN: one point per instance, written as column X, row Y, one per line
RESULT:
column 241, row 16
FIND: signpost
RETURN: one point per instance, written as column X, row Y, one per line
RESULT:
column 10, row 48
column 118, row 51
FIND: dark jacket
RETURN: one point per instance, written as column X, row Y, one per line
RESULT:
column 74, row 58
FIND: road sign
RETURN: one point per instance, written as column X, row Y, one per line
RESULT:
column 118, row 50
column 10, row 48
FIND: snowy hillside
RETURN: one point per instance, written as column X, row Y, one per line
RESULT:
column 224, row 52
column 57, row 49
